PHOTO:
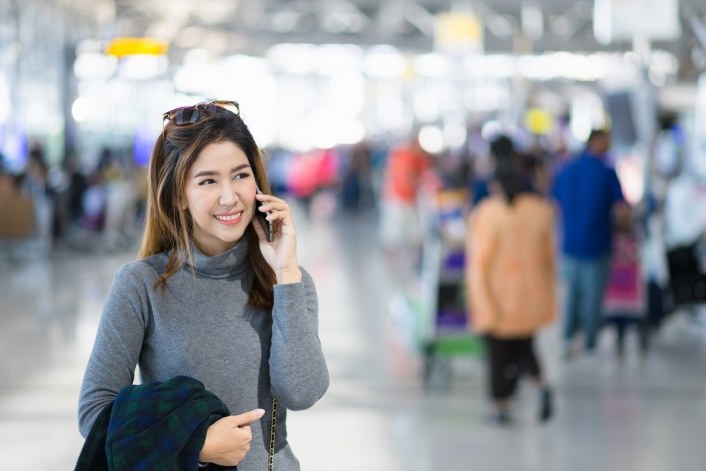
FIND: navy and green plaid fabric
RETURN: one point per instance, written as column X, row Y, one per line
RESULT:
column 154, row 426
column 92, row 457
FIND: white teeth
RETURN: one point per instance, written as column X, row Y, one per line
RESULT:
column 228, row 218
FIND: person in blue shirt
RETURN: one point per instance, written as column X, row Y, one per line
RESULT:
column 590, row 199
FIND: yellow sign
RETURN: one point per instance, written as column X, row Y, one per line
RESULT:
column 459, row 30
column 121, row 47
column 538, row 121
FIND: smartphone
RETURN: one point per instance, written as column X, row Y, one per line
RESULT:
column 267, row 225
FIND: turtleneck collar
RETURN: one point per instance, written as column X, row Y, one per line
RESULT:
column 223, row 265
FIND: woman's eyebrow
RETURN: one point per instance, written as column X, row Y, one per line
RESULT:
column 210, row 173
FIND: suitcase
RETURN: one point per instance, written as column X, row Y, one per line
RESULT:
column 16, row 216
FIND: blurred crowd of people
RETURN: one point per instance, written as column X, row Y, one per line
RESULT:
column 69, row 206
column 514, row 261
column 538, row 217
column 99, row 206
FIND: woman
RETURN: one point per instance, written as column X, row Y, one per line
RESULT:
column 210, row 298
column 510, row 282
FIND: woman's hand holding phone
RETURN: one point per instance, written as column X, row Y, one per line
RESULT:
column 281, row 252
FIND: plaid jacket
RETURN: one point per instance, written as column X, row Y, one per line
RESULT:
column 153, row 426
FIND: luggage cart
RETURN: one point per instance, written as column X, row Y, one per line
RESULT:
column 625, row 299
column 444, row 332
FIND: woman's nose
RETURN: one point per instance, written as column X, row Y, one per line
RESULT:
column 228, row 195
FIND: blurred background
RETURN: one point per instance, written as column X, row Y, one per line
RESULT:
column 331, row 90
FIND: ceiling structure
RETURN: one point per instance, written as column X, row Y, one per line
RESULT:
column 225, row 27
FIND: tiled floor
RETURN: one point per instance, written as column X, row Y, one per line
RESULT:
column 641, row 413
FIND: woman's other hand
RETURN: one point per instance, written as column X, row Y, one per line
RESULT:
column 228, row 439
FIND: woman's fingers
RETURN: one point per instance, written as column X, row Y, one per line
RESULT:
column 275, row 210
column 274, row 206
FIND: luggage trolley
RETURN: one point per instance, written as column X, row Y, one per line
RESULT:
column 625, row 300
column 444, row 331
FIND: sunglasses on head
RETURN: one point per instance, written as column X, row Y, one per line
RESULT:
column 187, row 115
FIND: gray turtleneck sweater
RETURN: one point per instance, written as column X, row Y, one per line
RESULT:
column 201, row 326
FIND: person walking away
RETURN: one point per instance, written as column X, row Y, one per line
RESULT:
column 590, row 199
column 510, row 282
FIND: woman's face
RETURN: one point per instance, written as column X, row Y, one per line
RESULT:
column 220, row 196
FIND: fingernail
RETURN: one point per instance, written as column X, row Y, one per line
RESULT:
column 260, row 411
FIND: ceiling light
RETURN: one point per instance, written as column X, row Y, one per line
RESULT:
column 384, row 61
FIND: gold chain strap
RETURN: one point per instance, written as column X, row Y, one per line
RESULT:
column 271, row 457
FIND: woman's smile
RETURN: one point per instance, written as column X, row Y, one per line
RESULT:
column 229, row 218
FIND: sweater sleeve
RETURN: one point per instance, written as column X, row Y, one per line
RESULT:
column 116, row 350
column 298, row 372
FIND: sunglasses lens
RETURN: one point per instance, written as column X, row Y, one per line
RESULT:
column 187, row 115
column 217, row 106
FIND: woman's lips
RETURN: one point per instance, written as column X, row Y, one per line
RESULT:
column 230, row 218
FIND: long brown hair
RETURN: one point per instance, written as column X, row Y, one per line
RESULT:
column 168, row 226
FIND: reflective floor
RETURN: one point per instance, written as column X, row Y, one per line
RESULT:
column 640, row 412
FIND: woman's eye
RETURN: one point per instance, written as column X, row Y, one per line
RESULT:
column 208, row 181
column 240, row 176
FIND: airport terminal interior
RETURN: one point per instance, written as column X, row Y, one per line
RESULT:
column 386, row 128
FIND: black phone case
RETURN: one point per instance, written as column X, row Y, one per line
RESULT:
column 267, row 225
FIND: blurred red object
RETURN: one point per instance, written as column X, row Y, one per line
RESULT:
column 625, row 293
column 312, row 171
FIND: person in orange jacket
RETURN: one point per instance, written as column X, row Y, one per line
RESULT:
column 510, row 281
